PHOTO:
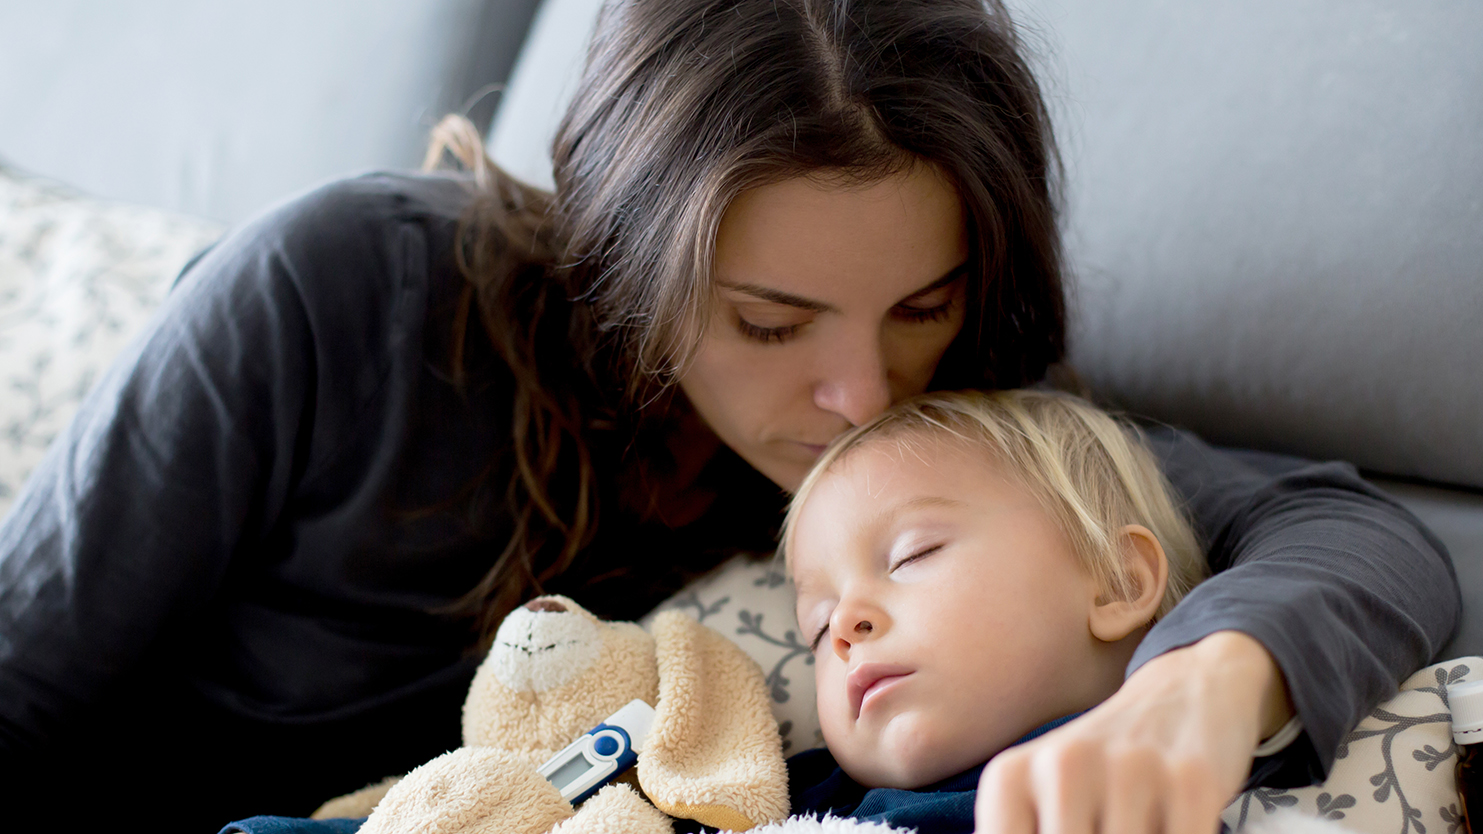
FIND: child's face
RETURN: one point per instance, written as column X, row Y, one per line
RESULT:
column 953, row 612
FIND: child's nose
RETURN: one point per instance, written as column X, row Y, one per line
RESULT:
column 852, row 626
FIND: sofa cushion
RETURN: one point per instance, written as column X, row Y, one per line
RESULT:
column 78, row 277
column 219, row 109
column 1393, row 773
column 1274, row 221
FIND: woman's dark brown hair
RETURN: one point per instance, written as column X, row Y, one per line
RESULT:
column 598, row 296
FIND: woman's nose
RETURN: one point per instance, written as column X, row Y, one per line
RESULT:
column 854, row 381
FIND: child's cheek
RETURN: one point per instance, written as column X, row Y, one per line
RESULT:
column 831, row 699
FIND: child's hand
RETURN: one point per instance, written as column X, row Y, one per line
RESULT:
column 1165, row 753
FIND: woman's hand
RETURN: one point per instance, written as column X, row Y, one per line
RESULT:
column 1165, row 753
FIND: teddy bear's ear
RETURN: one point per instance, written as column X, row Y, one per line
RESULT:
column 714, row 753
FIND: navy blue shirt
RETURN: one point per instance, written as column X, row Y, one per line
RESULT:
column 817, row 785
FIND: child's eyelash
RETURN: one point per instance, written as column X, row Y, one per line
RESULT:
column 915, row 556
column 813, row 644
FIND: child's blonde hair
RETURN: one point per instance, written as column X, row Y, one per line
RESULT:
column 1090, row 470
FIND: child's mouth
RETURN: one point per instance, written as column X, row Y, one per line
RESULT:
column 869, row 681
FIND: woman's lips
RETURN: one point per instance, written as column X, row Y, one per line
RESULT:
column 868, row 681
column 813, row 449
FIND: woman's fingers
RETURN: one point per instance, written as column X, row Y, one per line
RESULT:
column 1003, row 804
column 1163, row 755
column 1066, row 788
column 1131, row 798
column 1196, row 797
column 1076, row 785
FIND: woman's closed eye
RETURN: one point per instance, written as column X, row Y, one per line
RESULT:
column 766, row 334
column 907, row 313
column 922, row 315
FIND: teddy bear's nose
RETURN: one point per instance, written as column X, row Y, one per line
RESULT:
column 550, row 605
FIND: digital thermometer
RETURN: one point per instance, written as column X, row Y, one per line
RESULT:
column 602, row 754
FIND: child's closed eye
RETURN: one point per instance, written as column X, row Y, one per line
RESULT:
column 914, row 556
column 813, row 645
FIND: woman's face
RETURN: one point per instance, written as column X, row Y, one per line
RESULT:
column 832, row 302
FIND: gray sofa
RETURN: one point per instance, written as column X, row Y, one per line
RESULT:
column 1274, row 217
column 218, row 109
column 1274, row 210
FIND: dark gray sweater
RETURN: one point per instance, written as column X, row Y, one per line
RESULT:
column 217, row 590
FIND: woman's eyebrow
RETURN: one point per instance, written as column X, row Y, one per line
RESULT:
column 780, row 297
column 947, row 278
column 814, row 306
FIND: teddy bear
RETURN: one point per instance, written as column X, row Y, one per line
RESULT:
column 554, row 672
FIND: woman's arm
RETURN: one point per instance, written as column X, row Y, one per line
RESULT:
column 226, row 469
column 1326, row 595
column 1345, row 588
column 126, row 528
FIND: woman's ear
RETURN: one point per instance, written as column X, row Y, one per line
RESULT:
column 1147, row 569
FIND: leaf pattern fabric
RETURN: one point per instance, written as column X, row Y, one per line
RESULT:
column 1394, row 773
column 78, row 278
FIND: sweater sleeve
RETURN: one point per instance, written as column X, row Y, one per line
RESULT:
column 1346, row 588
column 181, row 458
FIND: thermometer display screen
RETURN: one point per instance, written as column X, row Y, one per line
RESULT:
column 569, row 772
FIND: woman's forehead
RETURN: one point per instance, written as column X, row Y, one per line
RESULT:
column 822, row 240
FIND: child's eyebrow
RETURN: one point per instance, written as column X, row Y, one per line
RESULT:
column 923, row 502
column 884, row 517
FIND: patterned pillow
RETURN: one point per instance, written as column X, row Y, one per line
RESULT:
column 1393, row 774
column 750, row 600
column 78, row 277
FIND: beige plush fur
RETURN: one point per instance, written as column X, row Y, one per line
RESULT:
column 554, row 672
column 713, row 754
column 473, row 790
column 616, row 809
column 539, row 723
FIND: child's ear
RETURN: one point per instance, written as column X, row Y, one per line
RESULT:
column 1147, row 569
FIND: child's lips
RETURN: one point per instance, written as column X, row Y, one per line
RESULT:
column 871, row 679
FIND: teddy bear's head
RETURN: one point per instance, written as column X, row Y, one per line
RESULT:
column 554, row 672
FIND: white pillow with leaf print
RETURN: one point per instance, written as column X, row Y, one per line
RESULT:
column 750, row 600
column 78, row 278
column 1394, row 774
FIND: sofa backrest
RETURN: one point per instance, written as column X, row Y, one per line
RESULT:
column 218, row 109
column 1274, row 214
column 1275, row 221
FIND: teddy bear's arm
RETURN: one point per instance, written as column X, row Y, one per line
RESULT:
column 471, row 790
column 616, row 809
column 714, row 754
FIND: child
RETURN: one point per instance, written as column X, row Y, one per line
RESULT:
column 973, row 569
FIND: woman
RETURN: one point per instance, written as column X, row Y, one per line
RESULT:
column 254, row 573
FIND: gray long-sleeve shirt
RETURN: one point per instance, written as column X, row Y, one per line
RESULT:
column 227, row 568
